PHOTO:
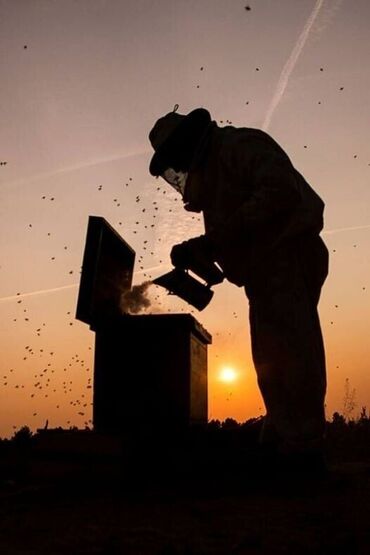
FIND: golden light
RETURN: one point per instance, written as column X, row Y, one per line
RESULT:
column 228, row 374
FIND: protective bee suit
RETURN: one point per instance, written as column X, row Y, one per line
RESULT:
column 262, row 224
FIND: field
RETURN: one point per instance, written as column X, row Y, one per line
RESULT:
column 210, row 493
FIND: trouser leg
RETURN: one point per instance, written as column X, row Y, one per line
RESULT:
column 289, row 358
column 291, row 375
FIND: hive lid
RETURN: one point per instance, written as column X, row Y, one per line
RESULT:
column 107, row 269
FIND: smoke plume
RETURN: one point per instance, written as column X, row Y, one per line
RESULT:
column 135, row 300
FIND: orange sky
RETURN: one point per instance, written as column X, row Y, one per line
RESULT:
column 77, row 105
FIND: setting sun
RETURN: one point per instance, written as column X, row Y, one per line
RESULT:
column 228, row 374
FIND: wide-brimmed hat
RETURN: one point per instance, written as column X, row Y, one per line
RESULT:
column 175, row 132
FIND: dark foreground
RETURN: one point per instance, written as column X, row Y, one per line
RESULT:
column 78, row 493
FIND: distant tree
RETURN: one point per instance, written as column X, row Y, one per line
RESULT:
column 229, row 424
column 214, row 425
column 338, row 420
column 252, row 422
column 349, row 400
column 363, row 415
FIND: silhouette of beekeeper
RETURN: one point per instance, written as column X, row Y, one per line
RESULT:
column 262, row 224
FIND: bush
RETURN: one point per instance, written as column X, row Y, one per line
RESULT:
column 22, row 436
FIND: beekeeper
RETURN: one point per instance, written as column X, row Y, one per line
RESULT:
column 262, row 226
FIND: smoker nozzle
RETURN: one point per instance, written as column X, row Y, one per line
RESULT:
column 179, row 282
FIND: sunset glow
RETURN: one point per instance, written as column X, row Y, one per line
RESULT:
column 228, row 374
column 83, row 84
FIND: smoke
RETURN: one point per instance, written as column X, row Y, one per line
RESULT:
column 290, row 64
column 135, row 300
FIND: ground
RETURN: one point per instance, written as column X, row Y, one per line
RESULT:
column 211, row 497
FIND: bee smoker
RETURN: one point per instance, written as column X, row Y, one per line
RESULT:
column 179, row 282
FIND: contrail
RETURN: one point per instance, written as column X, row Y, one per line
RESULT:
column 71, row 286
column 340, row 229
column 83, row 165
column 290, row 64
column 157, row 267
column 41, row 292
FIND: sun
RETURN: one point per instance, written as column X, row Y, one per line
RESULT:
column 228, row 374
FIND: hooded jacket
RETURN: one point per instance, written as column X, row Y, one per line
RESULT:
column 254, row 202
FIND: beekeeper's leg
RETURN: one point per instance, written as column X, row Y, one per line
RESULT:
column 289, row 358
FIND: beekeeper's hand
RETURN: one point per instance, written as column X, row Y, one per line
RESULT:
column 186, row 254
column 198, row 255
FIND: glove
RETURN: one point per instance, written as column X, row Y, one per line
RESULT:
column 197, row 255
column 186, row 253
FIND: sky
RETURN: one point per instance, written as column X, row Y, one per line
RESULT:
column 83, row 82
